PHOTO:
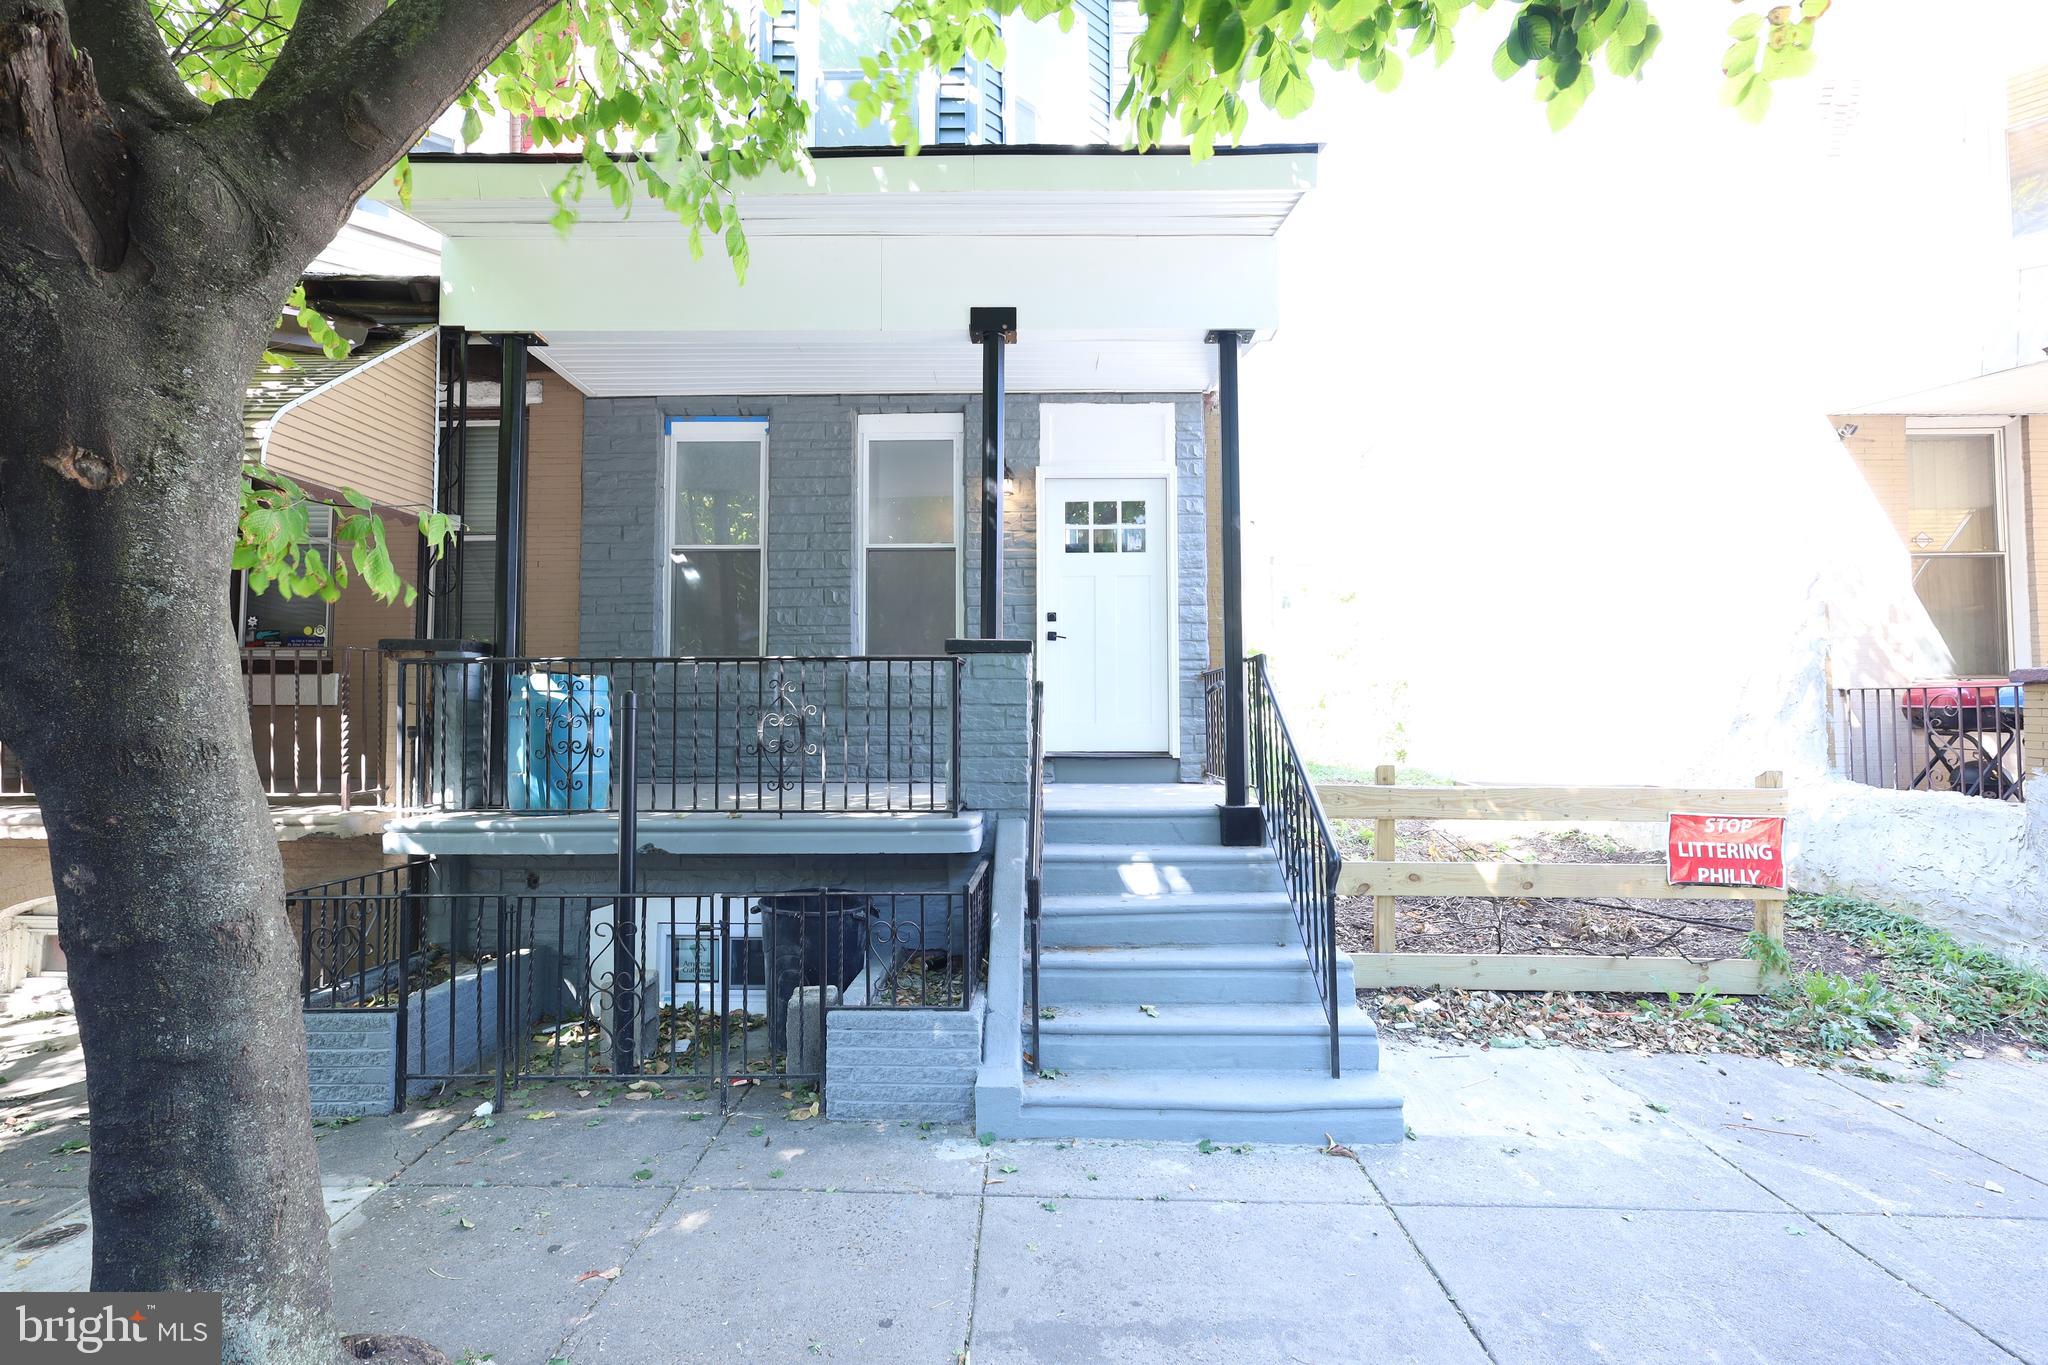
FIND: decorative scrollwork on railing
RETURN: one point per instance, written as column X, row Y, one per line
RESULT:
column 572, row 720
column 785, row 741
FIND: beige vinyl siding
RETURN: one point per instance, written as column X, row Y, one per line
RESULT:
column 359, row 618
column 554, row 516
column 2026, row 96
column 371, row 430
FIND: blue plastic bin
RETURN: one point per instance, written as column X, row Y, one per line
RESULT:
column 559, row 732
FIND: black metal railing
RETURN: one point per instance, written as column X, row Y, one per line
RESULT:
column 316, row 725
column 1034, row 867
column 349, row 931
column 1299, row 833
column 780, row 736
column 1214, row 725
column 1965, row 737
column 714, row 988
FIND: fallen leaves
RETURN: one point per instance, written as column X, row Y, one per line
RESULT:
column 610, row 1274
column 1332, row 1147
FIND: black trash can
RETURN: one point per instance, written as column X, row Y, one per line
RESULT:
column 813, row 937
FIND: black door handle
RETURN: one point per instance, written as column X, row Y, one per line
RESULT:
column 1052, row 635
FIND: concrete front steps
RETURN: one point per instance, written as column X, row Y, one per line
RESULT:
column 1178, row 1001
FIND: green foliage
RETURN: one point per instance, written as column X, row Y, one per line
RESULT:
column 1846, row 1013
column 1953, row 987
column 272, row 552
column 1701, row 1007
column 1769, row 954
column 1197, row 63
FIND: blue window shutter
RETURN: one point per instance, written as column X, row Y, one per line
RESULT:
column 778, row 39
column 1101, row 98
column 971, row 104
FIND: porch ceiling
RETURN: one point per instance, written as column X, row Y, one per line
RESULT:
column 861, row 278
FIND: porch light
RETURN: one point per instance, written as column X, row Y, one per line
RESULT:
column 1009, row 481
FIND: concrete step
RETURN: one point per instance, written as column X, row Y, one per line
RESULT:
column 1160, row 869
column 1267, row 1037
column 1218, row 974
column 1137, row 825
column 1130, row 921
column 1224, row 1106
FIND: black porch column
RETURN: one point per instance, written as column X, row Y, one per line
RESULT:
column 511, row 495
column 992, row 329
column 1243, row 823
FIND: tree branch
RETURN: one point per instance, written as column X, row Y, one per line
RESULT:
column 129, row 59
column 347, row 117
column 322, row 29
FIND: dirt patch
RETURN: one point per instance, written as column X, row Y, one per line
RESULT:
column 1697, row 930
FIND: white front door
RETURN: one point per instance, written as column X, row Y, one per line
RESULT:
column 1104, row 618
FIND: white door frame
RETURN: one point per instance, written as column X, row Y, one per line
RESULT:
column 1062, row 455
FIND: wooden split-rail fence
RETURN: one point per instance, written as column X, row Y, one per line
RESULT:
column 1386, row 880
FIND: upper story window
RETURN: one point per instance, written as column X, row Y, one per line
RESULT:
column 909, row 531
column 848, row 30
column 718, row 494
column 2026, row 149
column 1955, row 530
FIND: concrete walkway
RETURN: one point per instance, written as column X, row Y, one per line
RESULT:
column 1553, row 1206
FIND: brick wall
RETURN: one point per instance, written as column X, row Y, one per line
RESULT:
column 1879, row 449
column 995, row 727
column 810, row 524
column 901, row 1064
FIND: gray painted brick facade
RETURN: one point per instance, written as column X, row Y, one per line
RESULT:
column 902, row 1064
column 809, row 541
column 351, row 1056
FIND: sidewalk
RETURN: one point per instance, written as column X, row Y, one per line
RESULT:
column 1553, row 1206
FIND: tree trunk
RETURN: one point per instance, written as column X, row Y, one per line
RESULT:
column 123, row 697
column 138, row 278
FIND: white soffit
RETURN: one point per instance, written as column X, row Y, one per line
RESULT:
column 624, row 365
column 1248, row 192
column 2020, row 390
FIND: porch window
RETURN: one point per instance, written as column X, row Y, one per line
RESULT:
column 271, row 620
column 909, row 531
column 1955, row 530
column 718, row 489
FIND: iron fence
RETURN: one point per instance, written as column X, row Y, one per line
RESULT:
column 715, row 989
column 1034, row 864
column 316, row 725
column 1299, row 833
column 1215, row 726
column 1963, row 737
column 349, row 932
column 780, row 736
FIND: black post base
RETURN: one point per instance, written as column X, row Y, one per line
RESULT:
column 1243, row 826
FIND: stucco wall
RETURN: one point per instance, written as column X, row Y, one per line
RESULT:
column 809, row 578
column 1960, row 862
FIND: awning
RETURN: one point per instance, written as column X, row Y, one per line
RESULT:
column 365, row 422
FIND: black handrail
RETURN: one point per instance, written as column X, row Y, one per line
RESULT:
column 1300, row 833
column 1034, row 859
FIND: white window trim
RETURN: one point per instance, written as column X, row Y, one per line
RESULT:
column 2012, row 525
column 680, row 432
column 886, row 426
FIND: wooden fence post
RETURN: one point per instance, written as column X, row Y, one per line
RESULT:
column 1383, row 849
column 1770, row 915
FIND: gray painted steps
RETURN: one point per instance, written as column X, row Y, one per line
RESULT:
column 1244, row 973
column 1163, row 869
column 1226, row 1106
column 1138, row 826
column 1098, row 921
column 1126, row 1037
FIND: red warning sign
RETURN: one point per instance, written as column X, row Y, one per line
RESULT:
column 1726, row 850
